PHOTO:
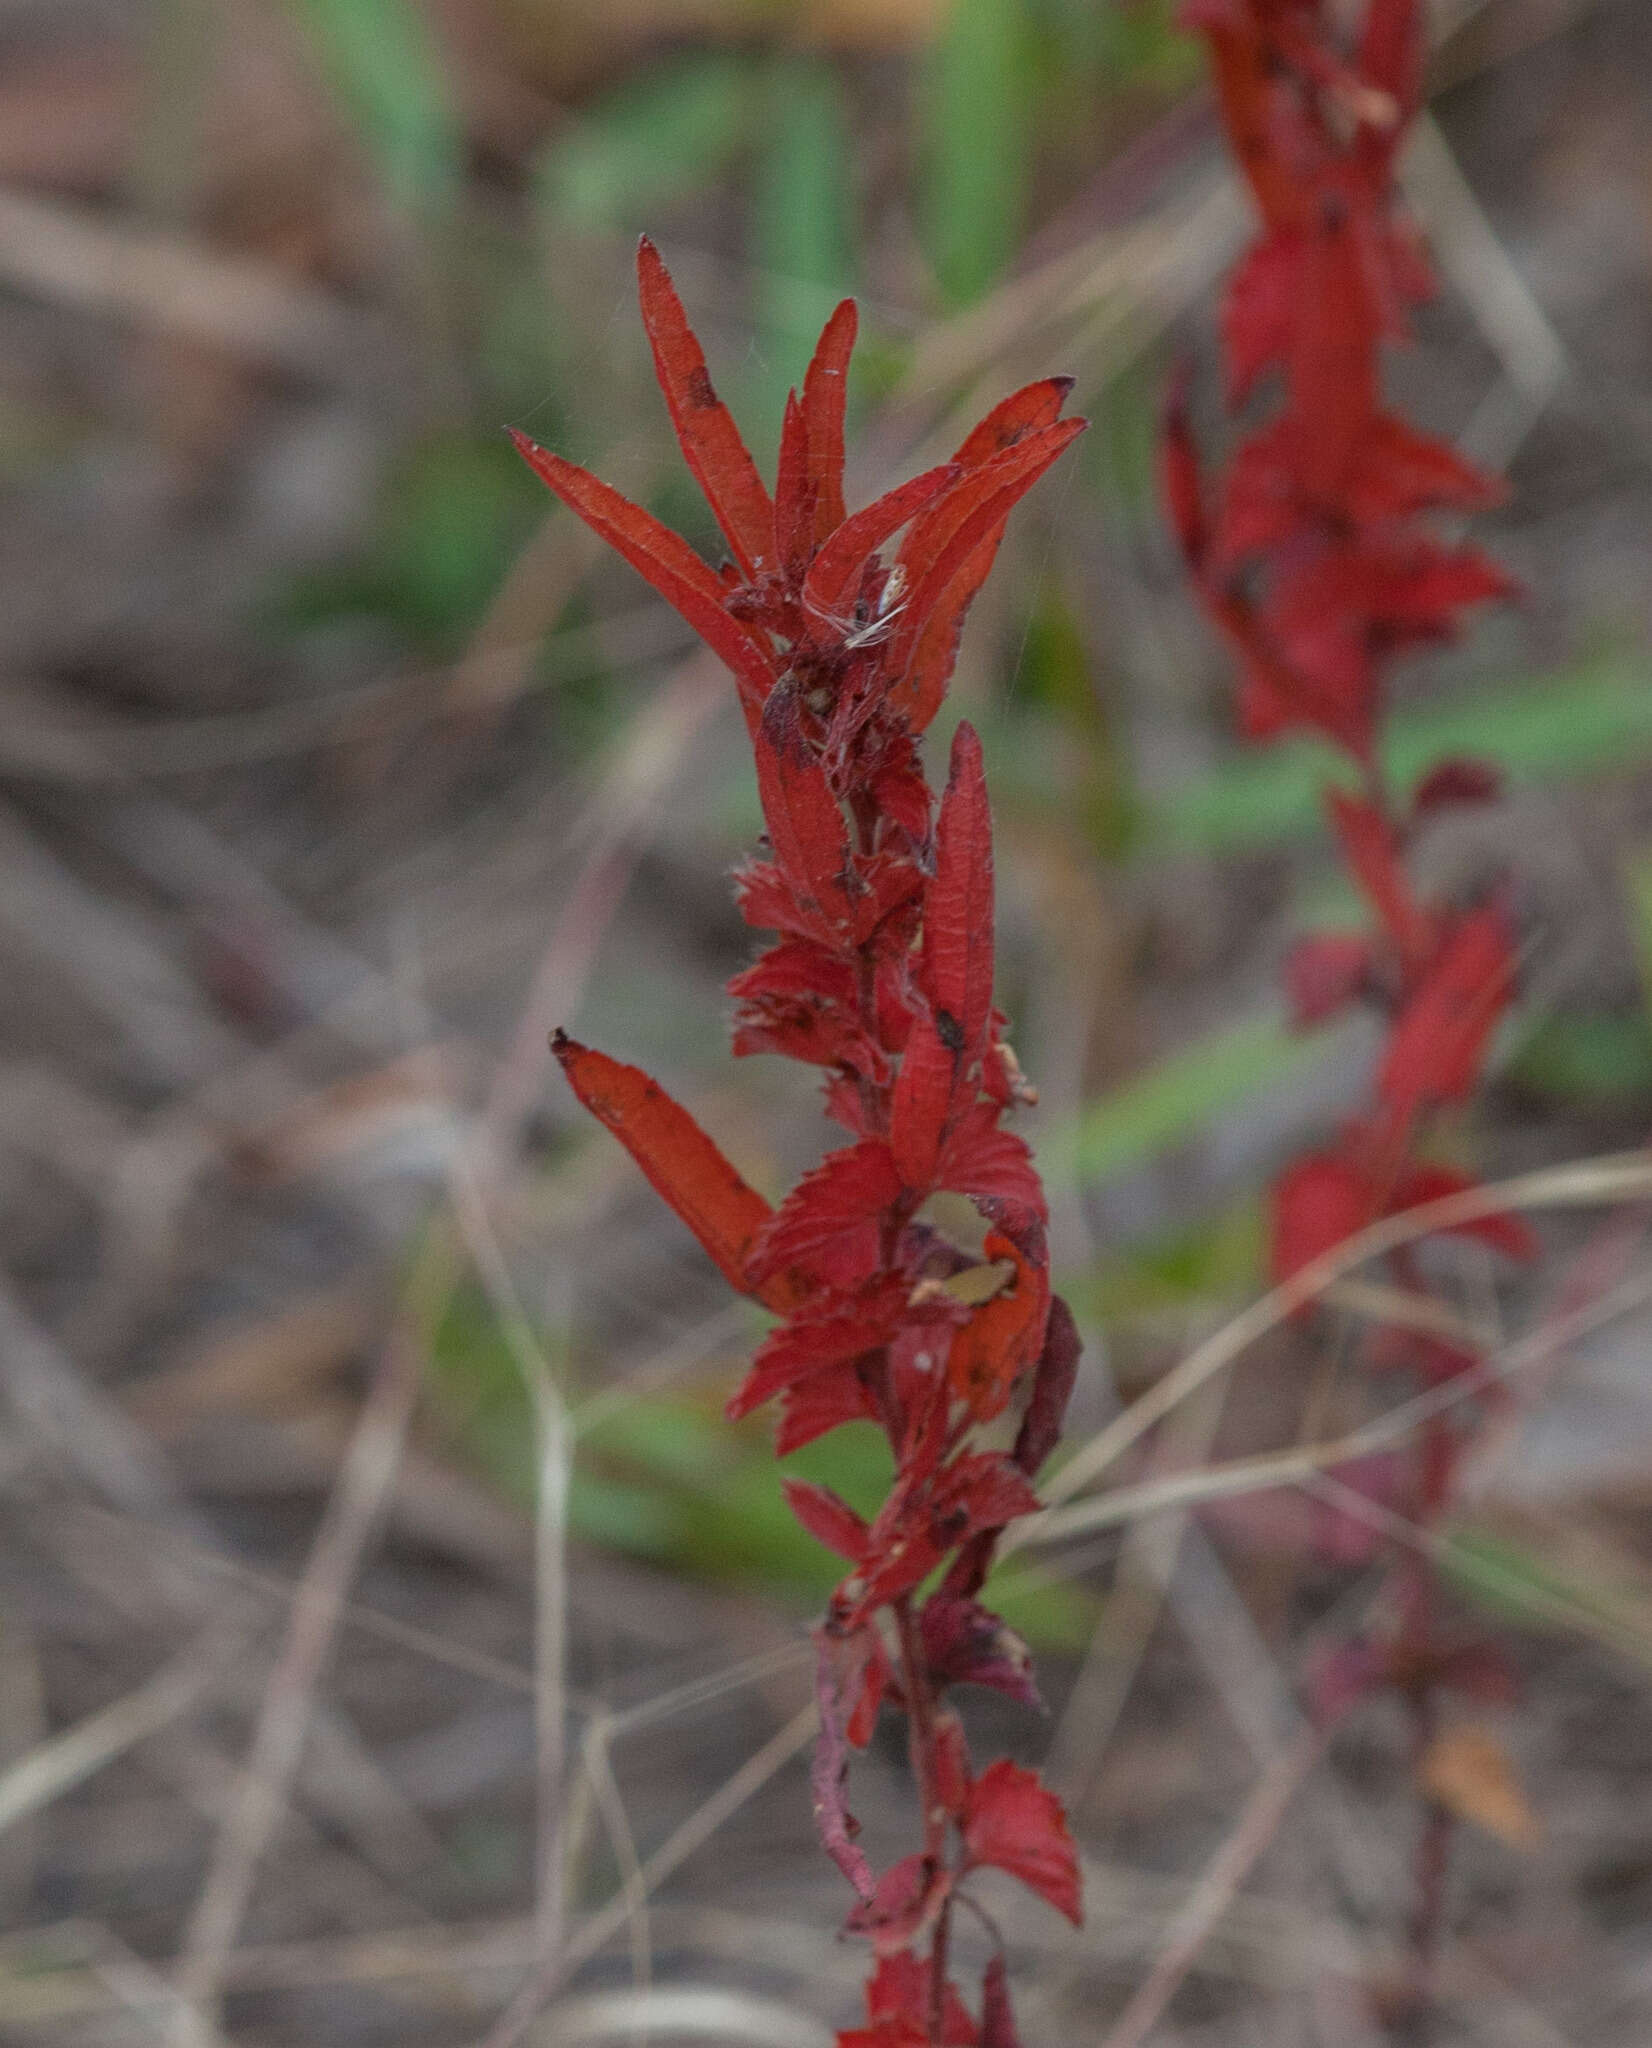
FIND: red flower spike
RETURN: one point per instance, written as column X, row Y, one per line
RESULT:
column 1014, row 1823
column 723, row 1212
column 1314, row 566
column 882, row 976
column 706, row 432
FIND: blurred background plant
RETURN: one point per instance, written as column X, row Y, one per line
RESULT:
column 334, row 771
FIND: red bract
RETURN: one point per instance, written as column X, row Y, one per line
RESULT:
column 840, row 630
column 1311, row 558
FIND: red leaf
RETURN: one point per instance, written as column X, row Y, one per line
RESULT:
column 1317, row 1202
column 972, row 511
column 958, row 937
column 918, row 692
column 981, row 1491
column 997, row 2020
column 684, row 1164
column 825, row 388
column 795, row 494
column 828, row 1520
column 1333, row 364
column 995, row 1169
column 822, row 1402
column 815, row 1343
column 806, row 828
column 1258, row 306
column 1246, row 87
column 1401, row 472
column 965, row 1645
column 710, row 441
column 847, row 1191
column 925, row 672
column 904, row 1907
column 1014, row 1823
column 1438, row 1045
column 666, row 560
column 1052, row 1389
column 836, row 572
column 1324, row 974
column 1012, row 419
column 918, row 1109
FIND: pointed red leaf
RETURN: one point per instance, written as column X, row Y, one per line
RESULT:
column 1438, row 1045
column 941, row 547
column 918, row 1109
column 1012, row 419
column 1257, row 310
column 825, row 390
column 710, row 440
column 994, row 1168
column 687, row 1168
column 828, row 1520
column 1015, row 1824
column 1317, row 1202
column 1333, row 367
column 820, row 1403
column 957, row 936
column 814, row 1343
column 794, row 495
column 806, row 827
column 665, row 559
column 1401, row 472
column 845, row 1193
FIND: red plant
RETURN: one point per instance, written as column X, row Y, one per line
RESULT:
column 841, row 645
column 1310, row 555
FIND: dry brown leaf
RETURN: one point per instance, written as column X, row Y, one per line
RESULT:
column 1469, row 1772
